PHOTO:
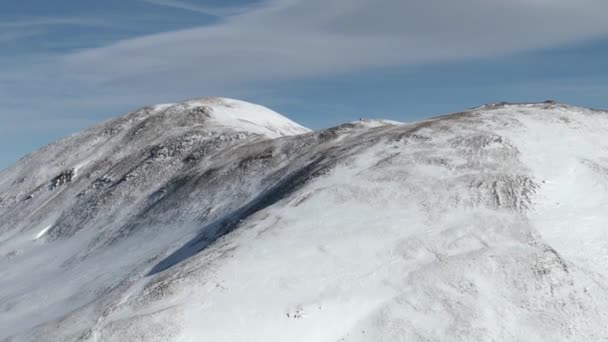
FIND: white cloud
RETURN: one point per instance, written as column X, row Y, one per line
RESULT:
column 218, row 11
column 287, row 39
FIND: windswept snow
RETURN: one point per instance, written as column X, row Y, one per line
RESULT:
column 219, row 220
column 42, row 232
column 239, row 115
column 248, row 116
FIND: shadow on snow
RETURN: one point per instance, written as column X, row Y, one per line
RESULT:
column 211, row 232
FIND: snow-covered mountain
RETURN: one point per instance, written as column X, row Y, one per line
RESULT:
column 219, row 220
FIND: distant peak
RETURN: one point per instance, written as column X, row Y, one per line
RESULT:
column 545, row 104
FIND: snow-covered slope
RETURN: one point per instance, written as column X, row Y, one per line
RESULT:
column 219, row 220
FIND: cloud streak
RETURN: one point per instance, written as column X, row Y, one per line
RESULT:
column 37, row 23
column 17, row 30
column 9, row 36
column 286, row 39
column 216, row 11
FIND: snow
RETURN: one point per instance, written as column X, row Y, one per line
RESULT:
column 162, row 106
column 570, row 210
column 42, row 232
column 236, row 224
column 244, row 116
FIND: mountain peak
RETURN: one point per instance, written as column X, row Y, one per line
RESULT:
column 236, row 114
column 164, row 223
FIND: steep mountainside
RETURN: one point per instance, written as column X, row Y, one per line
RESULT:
column 220, row 220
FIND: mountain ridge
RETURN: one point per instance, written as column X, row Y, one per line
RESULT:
column 358, row 232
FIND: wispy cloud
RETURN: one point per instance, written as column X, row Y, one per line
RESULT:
column 217, row 11
column 291, row 38
column 8, row 36
column 53, row 21
column 26, row 28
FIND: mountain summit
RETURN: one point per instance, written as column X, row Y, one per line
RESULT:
column 219, row 220
column 234, row 114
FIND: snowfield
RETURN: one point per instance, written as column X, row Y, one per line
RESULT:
column 220, row 220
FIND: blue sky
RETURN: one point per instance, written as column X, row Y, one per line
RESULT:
column 68, row 64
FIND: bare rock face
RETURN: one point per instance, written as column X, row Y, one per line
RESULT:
column 64, row 177
column 219, row 220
